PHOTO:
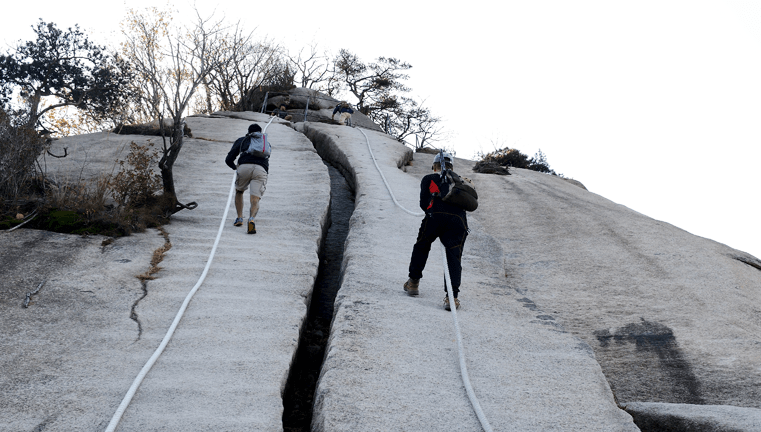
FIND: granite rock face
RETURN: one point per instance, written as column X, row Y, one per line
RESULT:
column 672, row 317
column 68, row 359
column 299, row 97
column 391, row 362
column 68, row 356
column 320, row 108
column 571, row 303
column 656, row 416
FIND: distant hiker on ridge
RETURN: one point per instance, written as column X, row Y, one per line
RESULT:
column 253, row 168
column 345, row 109
column 281, row 112
column 444, row 221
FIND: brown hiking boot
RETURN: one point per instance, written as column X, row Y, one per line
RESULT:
column 411, row 287
column 448, row 307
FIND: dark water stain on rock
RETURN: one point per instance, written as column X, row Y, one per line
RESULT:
column 647, row 349
column 654, row 421
column 528, row 303
column 29, row 256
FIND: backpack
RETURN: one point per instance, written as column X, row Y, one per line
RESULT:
column 462, row 192
column 256, row 144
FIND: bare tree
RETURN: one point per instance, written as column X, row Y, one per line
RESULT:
column 172, row 65
column 400, row 121
column 315, row 71
column 379, row 89
column 428, row 128
column 411, row 118
column 247, row 65
column 311, row 67
column 375, row 85
column 144, row 48
column 20, row 145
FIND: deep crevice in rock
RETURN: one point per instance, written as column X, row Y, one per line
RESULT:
column 298, row 396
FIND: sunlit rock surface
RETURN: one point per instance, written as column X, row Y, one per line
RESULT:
column 69, row 359
column 571, row 303
column 672, row 317
column 392, row 359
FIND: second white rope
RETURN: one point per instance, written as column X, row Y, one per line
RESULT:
column 460, row 347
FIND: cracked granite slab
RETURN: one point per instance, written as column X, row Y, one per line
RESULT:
column 69, row 358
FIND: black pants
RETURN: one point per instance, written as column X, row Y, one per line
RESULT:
column 452, row 230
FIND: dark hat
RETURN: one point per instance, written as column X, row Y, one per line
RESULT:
column 254, row 128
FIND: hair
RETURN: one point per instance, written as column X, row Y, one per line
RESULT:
column 254, row 128
column 437, row 166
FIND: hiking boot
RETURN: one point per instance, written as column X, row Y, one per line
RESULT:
column 446, row 304
column 251, row 226
column 411, row 287
column 238, row 222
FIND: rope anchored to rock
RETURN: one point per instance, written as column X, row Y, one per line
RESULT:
column 149, row 364
column 447, row 280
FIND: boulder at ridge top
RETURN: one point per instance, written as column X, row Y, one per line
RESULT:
column 320, row 108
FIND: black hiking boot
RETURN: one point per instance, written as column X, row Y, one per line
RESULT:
column 411, row 287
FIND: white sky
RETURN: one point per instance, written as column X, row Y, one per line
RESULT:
column 652, row 104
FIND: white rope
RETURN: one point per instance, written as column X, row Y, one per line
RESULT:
column 26, row 221
column 460, row 347
column 461, row 350
column 148, row 365
column 384, row 179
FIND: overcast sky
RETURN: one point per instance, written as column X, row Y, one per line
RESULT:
column 652, row 104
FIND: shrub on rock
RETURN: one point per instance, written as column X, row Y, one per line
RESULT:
column 507, row 157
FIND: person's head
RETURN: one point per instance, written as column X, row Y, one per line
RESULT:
column 437, row 161
column 254, row 128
